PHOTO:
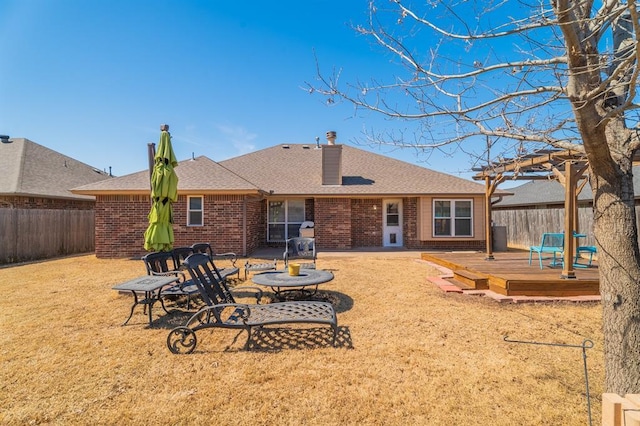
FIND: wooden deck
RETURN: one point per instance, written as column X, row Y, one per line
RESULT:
column 510, row 274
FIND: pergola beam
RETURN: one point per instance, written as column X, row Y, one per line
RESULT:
column 566, row 166
column 520, row 165
column 491, row 184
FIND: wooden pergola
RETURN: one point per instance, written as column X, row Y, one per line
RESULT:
column 565, row 166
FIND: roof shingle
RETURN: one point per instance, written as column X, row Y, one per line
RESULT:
column 198, row 175
column 296, row 169
column 30, row 169
column 542, row 192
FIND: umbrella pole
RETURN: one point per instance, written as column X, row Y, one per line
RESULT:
column 151, row 151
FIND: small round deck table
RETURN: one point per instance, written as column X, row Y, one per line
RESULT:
column 281, row 281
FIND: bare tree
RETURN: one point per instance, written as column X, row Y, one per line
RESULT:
column 524, row 76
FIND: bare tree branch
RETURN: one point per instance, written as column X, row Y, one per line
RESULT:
column 497, row 79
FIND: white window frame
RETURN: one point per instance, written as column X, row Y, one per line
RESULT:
column 190, row 210
column 286, row 222
column 452, row 217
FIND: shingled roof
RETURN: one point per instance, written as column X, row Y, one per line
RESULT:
column 551, row 192
column 200, row 175
column 296, row 169
column 32, row 170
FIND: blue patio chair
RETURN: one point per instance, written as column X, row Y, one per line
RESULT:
column 590, row 250
column 552, row 243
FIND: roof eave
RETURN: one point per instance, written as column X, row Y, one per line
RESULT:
column 82, row 197
column 180, row 192
column 379, row 195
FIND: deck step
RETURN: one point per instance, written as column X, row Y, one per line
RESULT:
column 445, row 284
column 471, row 279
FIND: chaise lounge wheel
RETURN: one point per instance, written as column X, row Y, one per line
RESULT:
column 182, row 340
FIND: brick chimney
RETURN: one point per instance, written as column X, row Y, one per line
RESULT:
column 331, row 161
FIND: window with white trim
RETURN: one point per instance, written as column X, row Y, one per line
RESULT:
column 195, row 211
column 453, row 218
column 284, row 218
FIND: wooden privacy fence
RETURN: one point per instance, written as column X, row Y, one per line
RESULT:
column 526, row 226
column 31, row 234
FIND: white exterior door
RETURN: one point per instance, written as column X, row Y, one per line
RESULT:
column 392, row 227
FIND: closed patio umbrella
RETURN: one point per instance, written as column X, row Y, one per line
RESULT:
column 164, row 192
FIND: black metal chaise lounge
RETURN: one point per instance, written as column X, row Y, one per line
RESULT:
column 222, row 311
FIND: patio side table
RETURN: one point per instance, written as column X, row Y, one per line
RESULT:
column 281, row 281
column 151, row 286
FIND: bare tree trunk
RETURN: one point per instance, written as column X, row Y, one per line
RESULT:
column 595, row 59
column 619, row 260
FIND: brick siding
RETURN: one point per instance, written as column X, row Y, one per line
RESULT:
column 366, row 222
column 222, row 223
column 309, row 209
column 410, row 225
column 256, row 225
column 120, row 224
column 333, row 223
column 340, row 224
column 121, row 221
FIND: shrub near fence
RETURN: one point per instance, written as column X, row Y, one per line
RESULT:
column 31, row 234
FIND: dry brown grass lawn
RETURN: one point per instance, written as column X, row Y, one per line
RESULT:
column 407, row 354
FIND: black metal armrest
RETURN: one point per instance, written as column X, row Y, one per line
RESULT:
column 255, row 267
column 241, row 309
column 179, row 274
column 232, row 257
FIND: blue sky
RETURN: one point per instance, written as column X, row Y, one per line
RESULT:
column 95, row 79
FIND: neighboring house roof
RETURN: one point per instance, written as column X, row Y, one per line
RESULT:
column 546, row 192
column 195, row 176
column 296, row 169
column 32, row 170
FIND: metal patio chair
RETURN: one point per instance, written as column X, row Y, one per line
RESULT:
column 164, row 263
column 230, row 256
column 259, row 267
column 552, row 243
column 301, row 248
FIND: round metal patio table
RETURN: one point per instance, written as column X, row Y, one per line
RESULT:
column 281, row 281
